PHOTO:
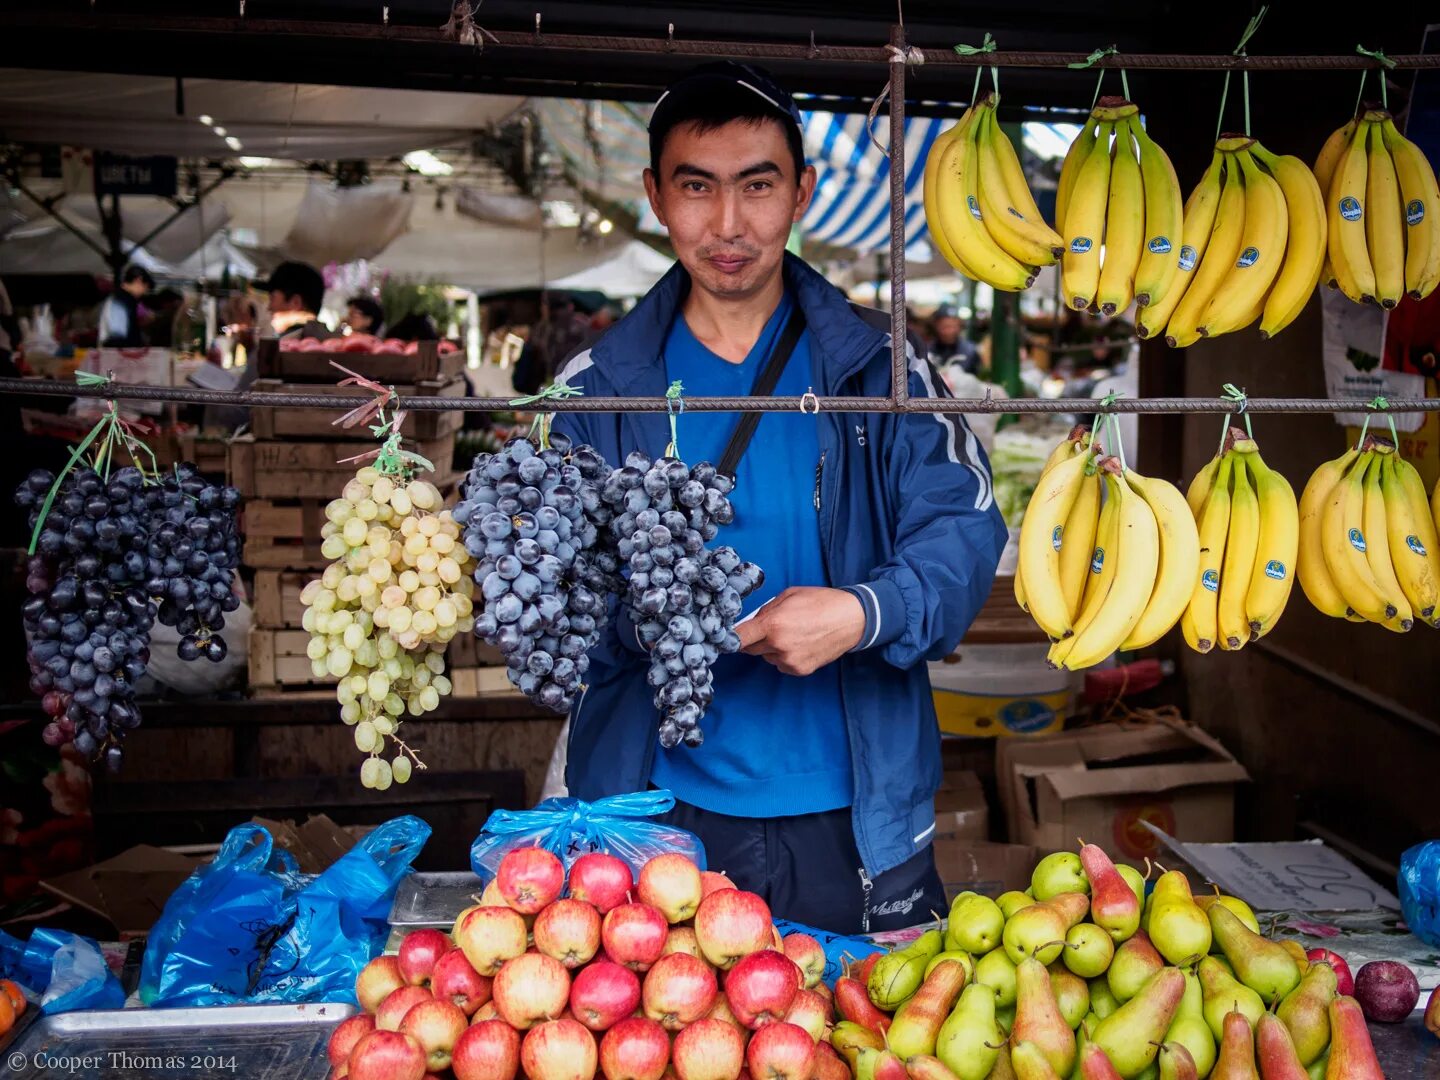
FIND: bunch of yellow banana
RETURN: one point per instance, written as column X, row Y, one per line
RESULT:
column 1252, row 247
column 1122, row 196
column 1381, row 200
column 1368, row 547
column 979, row 209
column 1249, row 534
column 1107, row 556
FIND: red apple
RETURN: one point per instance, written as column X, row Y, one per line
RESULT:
column 568, row 930
column 808, row 1011
column 808, row 956
column 393, row 1009
column 529, row 878
column 710, row 882
column 827, row 1064
column 489, row 1050
column 490, row 895
column 709, row 1050
column 531, row 988
column 603, row 994
column 559, row 1050
column 436, row 1026
column 346, row 1034
column 600, row 879
column 376, row 981
column 679, row 989
column 418, row 953
column 671, row 883
column 634, row 1049
column 1387, row 991
column 634, row 935
column 491, row 935
column 761, row 986
column 730, row 924
column 485, row 1012
column 721, row 1011
column 682, row 939
column 386, row 1055
column 1344, row 979
column 455, row 981
column 828, row 996
column 780, row 1052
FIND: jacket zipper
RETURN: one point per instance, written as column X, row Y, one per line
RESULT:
column 866, row 888
column 819, row 475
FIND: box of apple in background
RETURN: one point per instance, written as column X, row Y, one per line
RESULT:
column 1104, row 782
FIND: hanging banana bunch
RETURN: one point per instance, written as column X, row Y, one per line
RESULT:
column 978, row 206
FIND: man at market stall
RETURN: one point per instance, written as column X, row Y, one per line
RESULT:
column 878, row 535
column 120, row 317
column 296, row 292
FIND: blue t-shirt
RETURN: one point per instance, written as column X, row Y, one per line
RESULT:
column 775, row 745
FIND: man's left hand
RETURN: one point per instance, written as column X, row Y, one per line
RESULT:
column 804, row 628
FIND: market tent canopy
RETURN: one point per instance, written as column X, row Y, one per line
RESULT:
column 137, row 114
column 630, row 273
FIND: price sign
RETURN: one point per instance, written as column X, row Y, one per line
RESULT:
column 1299, row 876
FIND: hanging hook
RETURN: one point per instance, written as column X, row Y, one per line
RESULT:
column 809, row 398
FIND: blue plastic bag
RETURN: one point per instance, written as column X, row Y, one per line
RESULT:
column 65, row 970
column 839, row 949
column 572, row 827
column 249, row 928
column 1420, row 891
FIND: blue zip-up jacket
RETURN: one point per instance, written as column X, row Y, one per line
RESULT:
column 908, row 523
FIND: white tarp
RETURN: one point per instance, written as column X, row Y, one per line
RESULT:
column 629, row 274
column 136, row 114
column 335, row 224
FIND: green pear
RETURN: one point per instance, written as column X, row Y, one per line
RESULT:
column 897, row 975
column 1189, row 1028
column 1238, row 908
column 1151, row 1071
column 1072, row 994
column 1135, row 961
column 1030, row 1063
column 1134, row 879
column 1005, row 1017
column 1316, row 1069
column 997, row 971
column 917, row 1022
column 1089, row 950
column 969, row 1039
column 1038, row 930
column 1057, row 873
column 1180, row 930
column 1011, row 902
column 1038, row 1019
column 1176, row 1063
column 964, row 959
column 1237, row 1049
column 1172, row 885
column 1131, row 1035
column 1223, row 995
column 976, row 923
column 1261, row 964
column 1305, row 1012
column 1102, row 1001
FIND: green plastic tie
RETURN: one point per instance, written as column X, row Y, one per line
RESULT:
column 1242, row 402
column 1239, row 50
column 674, row 405
column 556, row 391
column 1378, row 404
column 1112, row 423
column 986, row 46
column 1385, row 64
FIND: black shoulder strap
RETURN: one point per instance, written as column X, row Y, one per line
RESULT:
column 765, row 383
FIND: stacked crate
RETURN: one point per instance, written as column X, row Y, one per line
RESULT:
column 293, row 464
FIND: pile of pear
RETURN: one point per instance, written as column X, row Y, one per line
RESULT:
column 1085, row 976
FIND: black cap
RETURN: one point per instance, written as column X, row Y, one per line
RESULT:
column 725, row 75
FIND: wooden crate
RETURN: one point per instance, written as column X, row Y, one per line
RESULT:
column 275, row 600
column 282, row 469
column 290, row 423
column 284, row 535
column 277, row 658
column 1001, row 621
column 275, row 362
column 471, row 682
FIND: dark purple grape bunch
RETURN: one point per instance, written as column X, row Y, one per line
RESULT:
column 88, row 616
column 684, row 598
column 192, row 555
column 542, row 598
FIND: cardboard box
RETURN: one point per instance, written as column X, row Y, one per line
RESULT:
column 316, row 844
column 977, row 866
column 129, row 890
column 1100, row 783
column 961, row 812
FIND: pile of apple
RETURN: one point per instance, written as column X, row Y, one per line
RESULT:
column 619, row 976
column 1082, row 976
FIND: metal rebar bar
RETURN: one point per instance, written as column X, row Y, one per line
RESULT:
column 937, row 53
column 899, row 364
column 988, row 405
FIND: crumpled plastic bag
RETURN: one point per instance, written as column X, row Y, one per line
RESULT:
column 1419, row 888
column 840, row 949
column 572, row 827
column 66, row 971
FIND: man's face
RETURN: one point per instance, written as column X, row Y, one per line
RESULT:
column 136, row 288
column 729, row 197
column 280, row 303
column 947, row 330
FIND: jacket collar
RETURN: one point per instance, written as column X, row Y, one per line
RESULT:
column 841, row 342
